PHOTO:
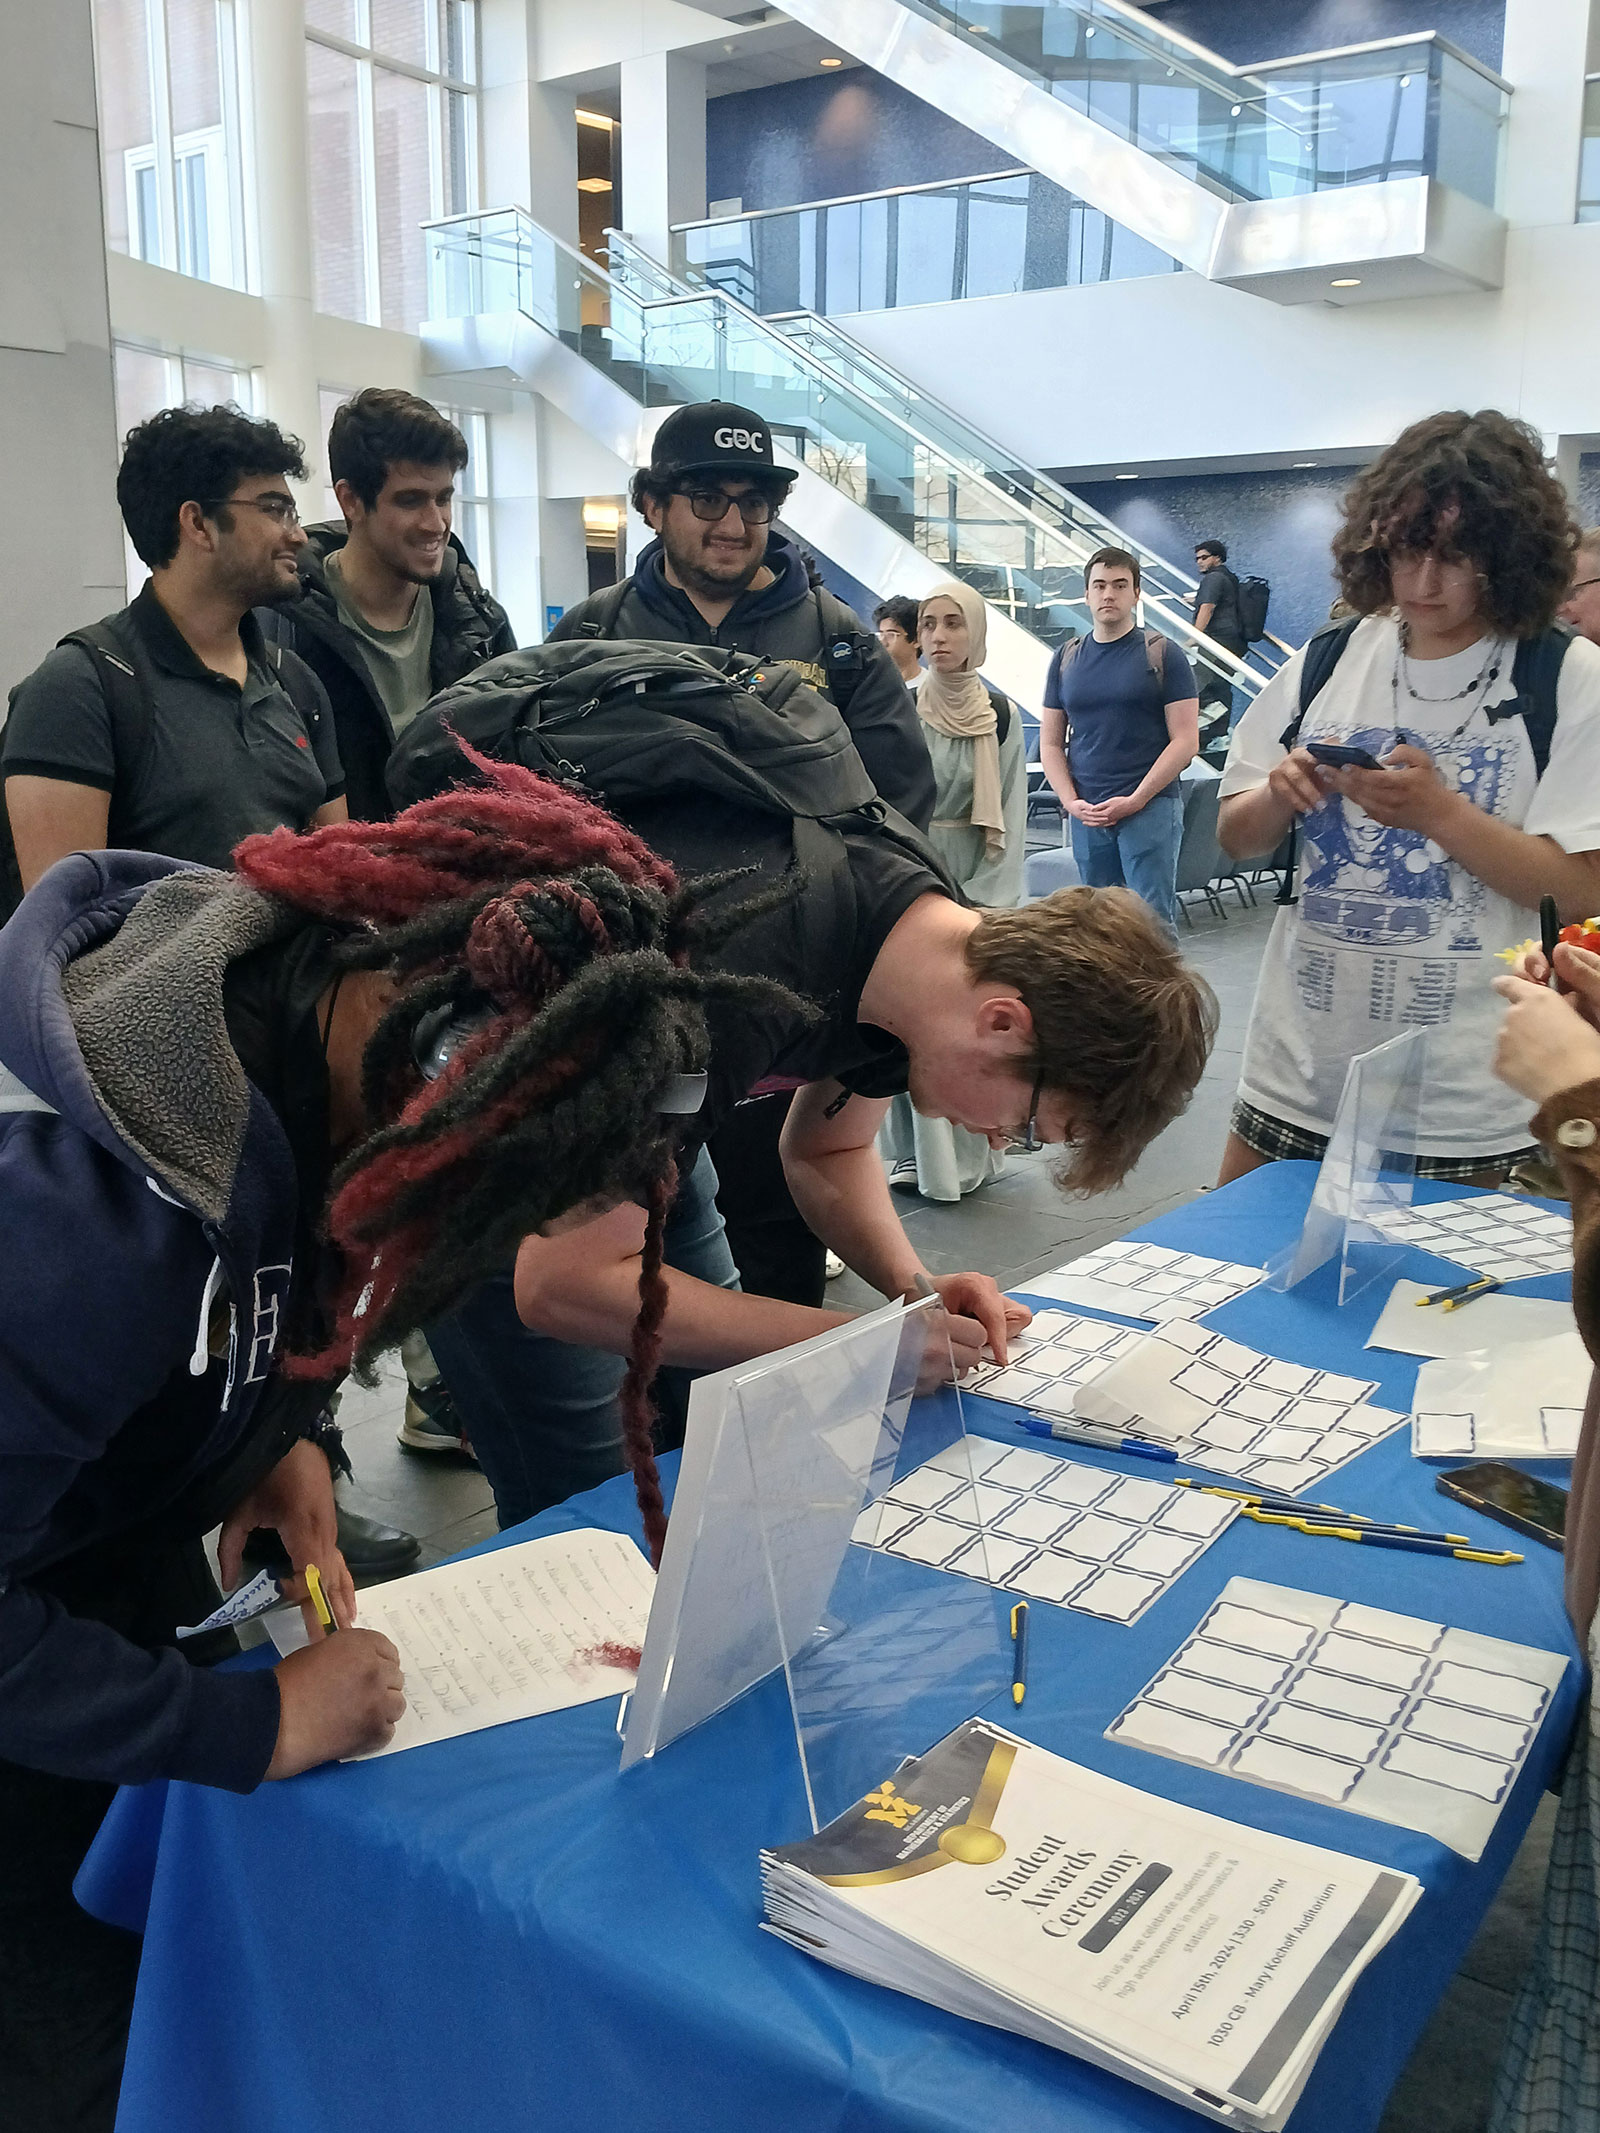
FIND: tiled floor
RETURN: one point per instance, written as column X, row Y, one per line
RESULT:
column 1020, row 1225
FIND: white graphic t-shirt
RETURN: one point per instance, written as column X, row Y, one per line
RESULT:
column 1390, row 934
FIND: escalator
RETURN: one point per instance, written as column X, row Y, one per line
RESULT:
column 891, row 487
column 1342, row 176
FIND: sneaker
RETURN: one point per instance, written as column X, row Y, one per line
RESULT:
column 431, row 1423
column 832, row 1267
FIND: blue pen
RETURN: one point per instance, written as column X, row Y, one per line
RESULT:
column 1104, row 1440
column 1019, row 1651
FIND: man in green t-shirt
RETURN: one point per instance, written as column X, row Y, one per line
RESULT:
column 390, row 612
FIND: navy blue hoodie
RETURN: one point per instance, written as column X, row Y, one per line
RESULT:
column 149, row 1218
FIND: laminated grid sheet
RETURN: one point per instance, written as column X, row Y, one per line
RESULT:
column 1230, row 1409
column 1044, row 1527
column 1047, row 1362
column 1554, row 1435
column 1148, row 1281
column 1381, row 1714
column 1493, row 1234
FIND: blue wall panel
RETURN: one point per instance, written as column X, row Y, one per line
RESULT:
column 822, row 139
column 1277, row 526
column 1243, row 30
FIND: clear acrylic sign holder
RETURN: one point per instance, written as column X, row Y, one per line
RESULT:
column 760, row 1572
column 1366, row 1180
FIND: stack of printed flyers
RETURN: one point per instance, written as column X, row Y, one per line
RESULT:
column 1200, row 1959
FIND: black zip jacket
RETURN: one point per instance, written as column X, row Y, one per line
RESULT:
column 782, row 622
column 469, row 626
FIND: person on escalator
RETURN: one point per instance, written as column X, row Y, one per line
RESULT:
column 720, row 572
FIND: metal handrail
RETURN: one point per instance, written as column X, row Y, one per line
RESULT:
column 884, row 192
column 1215, row 654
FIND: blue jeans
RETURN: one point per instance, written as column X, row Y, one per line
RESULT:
column 542, row 1415
column 1138, row 853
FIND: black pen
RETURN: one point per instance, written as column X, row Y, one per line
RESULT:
column 1549, row 935
column 1019, row 1651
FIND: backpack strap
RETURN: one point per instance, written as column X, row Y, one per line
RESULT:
column 845, row 653
column 126, row 684
column 1155, row 652
column 1002, row 716
column 608, row 605
column 297, row 681
column 1322, row 654
column 1536, row 677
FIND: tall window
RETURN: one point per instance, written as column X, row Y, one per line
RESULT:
column 169, row 134
column 392, row 93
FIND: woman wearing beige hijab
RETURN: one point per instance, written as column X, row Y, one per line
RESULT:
column 974, row 737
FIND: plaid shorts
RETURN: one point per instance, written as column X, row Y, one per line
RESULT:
column 1280, row 1142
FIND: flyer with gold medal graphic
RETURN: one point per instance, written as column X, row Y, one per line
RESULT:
column 1195, row 1956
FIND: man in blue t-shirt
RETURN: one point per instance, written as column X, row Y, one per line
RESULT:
column 1121, row 719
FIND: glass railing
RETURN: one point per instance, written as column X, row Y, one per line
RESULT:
column 1589, row 167
column 1400, row 108
column 838, row 410
column 913, row 244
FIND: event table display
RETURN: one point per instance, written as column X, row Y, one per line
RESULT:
column 506, row 1932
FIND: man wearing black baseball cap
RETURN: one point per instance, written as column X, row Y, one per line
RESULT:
column 720, row 572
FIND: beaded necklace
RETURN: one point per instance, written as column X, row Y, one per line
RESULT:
column 1483, row 681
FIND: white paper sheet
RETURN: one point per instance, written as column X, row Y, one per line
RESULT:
column 1488, row 1233
column 1487, row 1323
column 1147, row 1281
column 1524, row 1402
column 1046, row 1527
column 1226, row 1408
column 1403, row 1720
column 511, row 1634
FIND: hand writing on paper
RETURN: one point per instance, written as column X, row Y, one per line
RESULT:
column 341, row 1697
column 296, row 1502
column 980, row 1317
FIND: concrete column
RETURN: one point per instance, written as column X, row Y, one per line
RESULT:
column 663, row 146
column 530, row 135
column 276, row 125
column 1546, row 50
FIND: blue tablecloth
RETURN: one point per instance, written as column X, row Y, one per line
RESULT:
column 500, row 1932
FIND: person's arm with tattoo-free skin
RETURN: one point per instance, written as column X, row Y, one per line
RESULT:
column 581, row 1283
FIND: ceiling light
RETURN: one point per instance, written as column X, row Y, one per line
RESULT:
column 830, row 62
column 1303, row 463
column 1127, row 477
column 1346, row 281
column 594, row 118
column 594, row 185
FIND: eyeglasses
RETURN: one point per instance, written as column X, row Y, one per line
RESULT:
column 1027, row 1142
column 711, row 505
column 273, row 505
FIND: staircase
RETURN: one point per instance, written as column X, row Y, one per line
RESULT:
column 891, row 487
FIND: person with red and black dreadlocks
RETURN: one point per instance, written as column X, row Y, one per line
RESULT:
column 254, row 1127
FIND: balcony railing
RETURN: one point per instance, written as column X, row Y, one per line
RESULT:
column 913, row 244
column 1399, row 107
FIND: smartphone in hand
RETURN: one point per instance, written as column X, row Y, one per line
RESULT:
column 1336, row 755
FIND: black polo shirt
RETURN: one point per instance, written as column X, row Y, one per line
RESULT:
column 222, row 762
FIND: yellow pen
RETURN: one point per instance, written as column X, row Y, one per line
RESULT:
column 1365, row 1538
column 1328, row 1513
column 1019, row 1651
column 319, row 1600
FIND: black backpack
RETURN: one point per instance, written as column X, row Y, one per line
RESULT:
column 844, row 653
column 128, row 682
column 628, row 722
column 1251, row 597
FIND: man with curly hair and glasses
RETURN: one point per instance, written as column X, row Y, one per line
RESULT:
column 1438, row 752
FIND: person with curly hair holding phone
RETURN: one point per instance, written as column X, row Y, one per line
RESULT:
column 1438, row 754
